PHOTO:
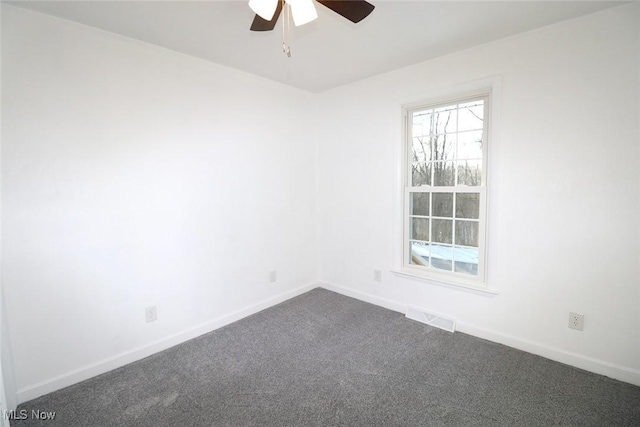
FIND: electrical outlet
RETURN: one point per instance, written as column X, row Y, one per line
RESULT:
column 273, row 276
column 151, row 313
column 576, row 321
column 377, row 275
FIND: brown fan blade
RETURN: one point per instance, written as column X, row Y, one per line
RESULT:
column 353, row 10
column 260, row 24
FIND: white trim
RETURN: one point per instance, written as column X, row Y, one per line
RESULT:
column 77, row 375
column 491, row 88
column 597, row 366
column 362, row 296
column 469, row 88
column 484, row 94
column 438, row 278
column 591, row 364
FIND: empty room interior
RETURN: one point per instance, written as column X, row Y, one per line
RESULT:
column 306, row 212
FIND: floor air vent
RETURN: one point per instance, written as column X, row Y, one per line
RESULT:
column 431, row 319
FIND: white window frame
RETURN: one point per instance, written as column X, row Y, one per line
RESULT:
column 478, row 282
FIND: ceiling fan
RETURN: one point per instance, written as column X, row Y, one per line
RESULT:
column 303, row 11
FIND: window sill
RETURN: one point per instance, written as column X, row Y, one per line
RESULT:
column 444, row 281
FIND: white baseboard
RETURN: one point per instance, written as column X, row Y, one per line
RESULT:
column 362, row 296
column 618, row 372
column 69, row 378
column 597, row 366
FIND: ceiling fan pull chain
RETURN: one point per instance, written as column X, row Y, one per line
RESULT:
column 284, row 34
column 286, row 49
column 286, row 29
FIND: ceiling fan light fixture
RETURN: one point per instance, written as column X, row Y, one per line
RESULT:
column 303, row 11
column 264, row 8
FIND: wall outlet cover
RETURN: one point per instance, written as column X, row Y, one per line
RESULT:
column 576, row 321
column 377, row 275
column 151, row 313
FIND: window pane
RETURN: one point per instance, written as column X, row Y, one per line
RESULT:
column 470, row 115
column 443, row 174
column 470, row 172
column 421, row 149
column 442, row 231
column 468, row 205
column 466, row 260
column 441, row 257
column 447, row 156
column 419, row 204
column 470, row 145
column 466, row 233
column 443, row 147
column 445, row 119
column 420, row 174
column 420, row 229
column 443, row 204
column 419, row 253
column 421, row 121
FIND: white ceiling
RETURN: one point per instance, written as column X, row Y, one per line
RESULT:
column 328, row 52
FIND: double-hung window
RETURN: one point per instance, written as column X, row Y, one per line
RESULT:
column 445, row 193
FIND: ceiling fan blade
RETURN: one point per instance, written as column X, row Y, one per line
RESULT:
column 260, row 24
column 353, row 10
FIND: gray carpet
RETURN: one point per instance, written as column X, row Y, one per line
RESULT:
column 323, row 359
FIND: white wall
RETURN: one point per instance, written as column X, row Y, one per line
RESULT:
column 135, row 176
column 564, row 196
column 7, row 387
column 6, row 355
